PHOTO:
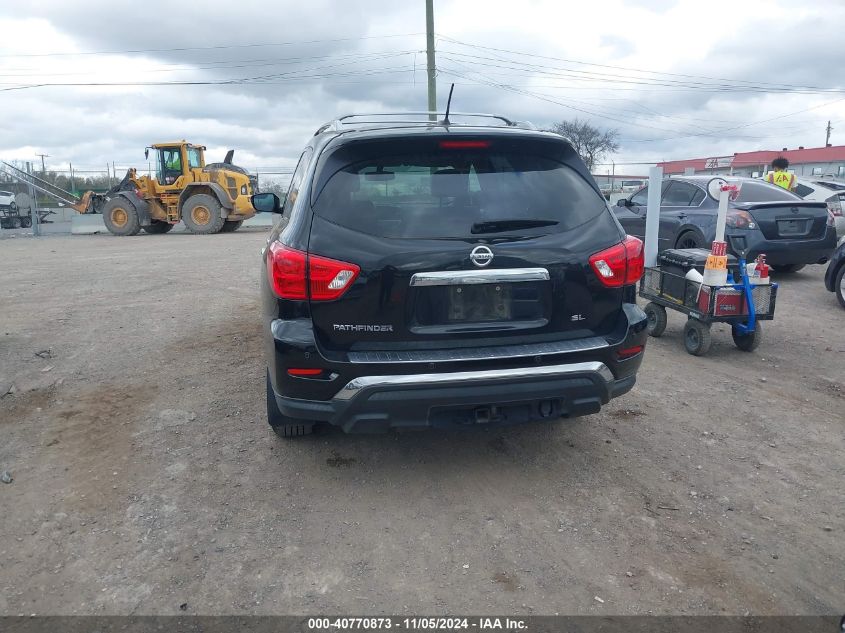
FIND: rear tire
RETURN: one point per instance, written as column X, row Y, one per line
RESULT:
column 201, row 213
column 697, row 338
column 282, row 425
column 748, row 342
column 26, row 222
column 231, row 226
column 121, row 217
column 690, row 239
column 158, row 227
column 657, row 319
column 787, row 268
column 839, row 286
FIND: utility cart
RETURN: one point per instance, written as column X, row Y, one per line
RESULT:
column 739, row 303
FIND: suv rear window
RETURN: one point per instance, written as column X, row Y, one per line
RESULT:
column 434, row 191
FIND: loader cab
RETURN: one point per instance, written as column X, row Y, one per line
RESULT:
column 175, row 160
column 168, row 164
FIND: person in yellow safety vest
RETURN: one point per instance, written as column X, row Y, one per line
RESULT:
column 780, row 176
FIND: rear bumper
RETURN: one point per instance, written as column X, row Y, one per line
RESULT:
column 372, row 404
column 784, row 252
column 477, row 390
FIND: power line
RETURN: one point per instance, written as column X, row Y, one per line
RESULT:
column 229, row 64
column 208, row 48
column 624, row 68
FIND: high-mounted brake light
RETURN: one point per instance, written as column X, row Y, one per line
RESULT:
column 464, row 144
column 621, row 264
column 296, row 275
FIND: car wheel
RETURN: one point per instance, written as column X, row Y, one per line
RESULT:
column 697, row 337
column 839, row 285
column 282, row 425
column 690, row 239
column 26, row 222
column 657, row 319
column 13, row 206
column 748, row 342
column 787, row 268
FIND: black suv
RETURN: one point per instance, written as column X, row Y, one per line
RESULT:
column 444, row 275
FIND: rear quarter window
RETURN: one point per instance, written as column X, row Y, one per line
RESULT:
column 764, row 192
column 419, row 189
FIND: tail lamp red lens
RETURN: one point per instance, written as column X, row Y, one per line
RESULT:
column 305, row 372
column 737, row 219
column 464, row 144
column 629, row 352
column 621, row 264
column 834, row 210
column 297, row 275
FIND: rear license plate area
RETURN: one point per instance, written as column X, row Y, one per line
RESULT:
column 480, row 303
column 488, row 304
column 793, row 227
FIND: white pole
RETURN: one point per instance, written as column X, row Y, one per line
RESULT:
column 724, row 196
column 652, row 216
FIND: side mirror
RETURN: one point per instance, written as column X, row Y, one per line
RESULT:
column 623, row 202
column 146, row 152
column 266, row 203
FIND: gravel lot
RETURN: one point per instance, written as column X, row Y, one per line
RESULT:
column 145, row 477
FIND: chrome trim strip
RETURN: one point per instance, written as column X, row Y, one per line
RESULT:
column 487, row 276
column 458, row 378
column 479, row 353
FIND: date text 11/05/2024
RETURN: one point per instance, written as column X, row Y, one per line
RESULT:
column 416, row 624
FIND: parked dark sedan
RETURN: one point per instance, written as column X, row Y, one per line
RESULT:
column 764, row 218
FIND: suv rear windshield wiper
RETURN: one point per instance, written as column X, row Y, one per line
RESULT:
column 495, row 226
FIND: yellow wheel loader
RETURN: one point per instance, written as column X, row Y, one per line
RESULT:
column 207, row 198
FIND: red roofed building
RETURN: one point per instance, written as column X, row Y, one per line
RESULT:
column 813, row 161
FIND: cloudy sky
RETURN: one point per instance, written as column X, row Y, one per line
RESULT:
column 90, row 83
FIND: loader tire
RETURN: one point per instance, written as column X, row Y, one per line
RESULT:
column 231, row 226
column 121, row 217
column 158, row 227
column 201, row 213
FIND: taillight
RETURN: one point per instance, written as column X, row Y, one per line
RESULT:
column 737, row 219
column 286, row 269
column 834, row 210
column 329, row 277
column 290, row 271
column 621, row 264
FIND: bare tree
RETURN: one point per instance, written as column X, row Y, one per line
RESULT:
column 590, row 142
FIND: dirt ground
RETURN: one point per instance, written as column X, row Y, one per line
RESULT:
column 146, row 479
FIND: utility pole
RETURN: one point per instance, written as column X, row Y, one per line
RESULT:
column 43, row 168
column 429, row 58
column 827, row 138
column 33, row 209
